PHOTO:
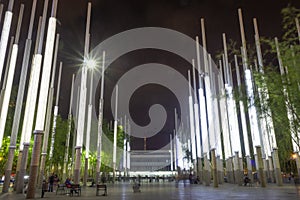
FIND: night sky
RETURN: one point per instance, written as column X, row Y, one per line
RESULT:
column 110, row 17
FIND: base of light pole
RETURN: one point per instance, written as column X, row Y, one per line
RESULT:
column 34, row 165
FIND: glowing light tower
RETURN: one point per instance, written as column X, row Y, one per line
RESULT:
column 66, row 158
column 232, row 115
column 30, row 102
column 48, row 118
column 224, row 119
column 115, row 134
column 191, row 119
column 91, row 64
column 42, row 103
column 82, row 101
column 197, row 121
column 5, row 104
column 10, row 77
column 19, row 102
column 243, row 120
column 5, row 34
column 255, row 130
column 100, row 122
column 269, row 133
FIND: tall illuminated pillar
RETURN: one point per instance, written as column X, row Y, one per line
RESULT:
column 82, row 101
column 28, row 114
column 244, row 123
column 115, row 135
column 42, row 103
column 192, row 124
column 100, row 121
column 66, row 157
column 10, row 77
column 48, row 118
column 5, row 105
column 55, row 113
column 91, row 66
column 5, row 35
column 197, row 121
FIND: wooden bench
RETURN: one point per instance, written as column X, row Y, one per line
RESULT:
column 101, row 187
column 75, row 188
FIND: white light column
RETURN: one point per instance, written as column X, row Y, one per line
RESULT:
column 196, row 115
column 55, row 113
column 89, row 124
column 171, row 152
column 43, row 94
column 115, row 135
column 19, row 101
column 82, row 100
column 66, row 158
column 5, row 34
column 192, row 124
column 100, row 121
column 10, row 77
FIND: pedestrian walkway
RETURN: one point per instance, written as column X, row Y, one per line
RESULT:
column 169, row 191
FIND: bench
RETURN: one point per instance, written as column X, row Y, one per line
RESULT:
column 61, row 188
column 101, row 187
column 75, row 188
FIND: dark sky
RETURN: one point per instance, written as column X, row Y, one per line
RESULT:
column 110, row 17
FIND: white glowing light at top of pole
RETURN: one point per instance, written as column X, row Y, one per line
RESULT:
column 7, row 92
column 4, row 38
column 44, row 86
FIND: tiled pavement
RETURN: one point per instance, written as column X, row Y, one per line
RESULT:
column 166, row 191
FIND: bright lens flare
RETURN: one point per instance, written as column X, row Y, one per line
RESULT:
column 90, row 63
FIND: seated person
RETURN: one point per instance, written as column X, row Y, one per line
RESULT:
column 68, row 182
column 246, row 180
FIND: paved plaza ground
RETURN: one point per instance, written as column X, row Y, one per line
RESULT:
column 169, row 191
